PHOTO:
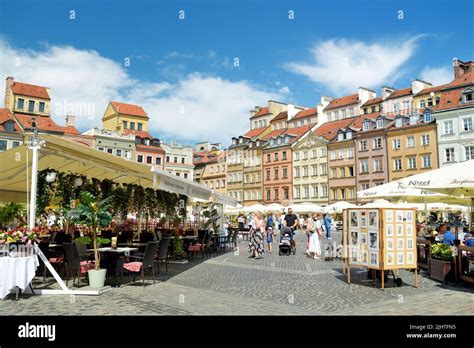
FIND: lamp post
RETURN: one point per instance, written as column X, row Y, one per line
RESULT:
column 34, row 144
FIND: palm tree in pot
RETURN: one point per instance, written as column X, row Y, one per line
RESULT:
column 94, row 213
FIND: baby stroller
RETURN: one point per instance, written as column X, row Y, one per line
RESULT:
column 286, row 245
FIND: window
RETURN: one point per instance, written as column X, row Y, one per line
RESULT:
column 217, row 184
column 183, row 160
column 158, row 160
column 366, row 125
column 412, row 162
column 297, row 192
column 425, row 139
column 469, row 151
column 414, row 119
column 315, row 170
column 336, row 115
column 149, row 159
column 110, row 150
column 324, row 152
column 41, row 107
column 285, row 173
column 380, row 123
column 21, row 103
column 268, row 157
column 140, row 158
column 3, row 145
column 276, row 156
column 364, row 186
column 275, row 174
column 268, row 175
column 351, row 112
column 448, row 127
column 211, row 185
column 366, row 110
column 406, row 105
column 167, row 159
column 286, row 193
column 422, row 104
column 449, row 154
column 349, row 135
column 333, row 172
column 297, row 156
column 10, row 126
column 395, row 107
column 399, row 122
column 100, row 148
column 125, row 124
column 350, row 152
column 31, row 106
column 175, row 159
column 363, row 145
column 15, row 144
column 118, row 152
column 410, row 141
column 306, row 192
column 341, row 153
column 178, row 174
column 283, row 155
column 378, row 143
column 364, row 166
column 267, row 193
column 397, row 164
column 132, row 125
column 276, row 193
column 333, row 154
column 223, row 183
column 324, row 169
column 430, row 101
column 396, row 143
column 343, row 113
column 305, row 171
column 185, row 175
column 314, row 154
column 305, row 155
column 139, row 126
column 377, row 165
column 426, row 161
column 315, row 191
column 467, row 124
column 427, row 117
column 342, row 172
column 340, row 136
column 351, row 171
column 468, row 96
column 324, row 188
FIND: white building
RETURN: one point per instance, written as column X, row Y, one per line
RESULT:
column 179, row 160
column 112, row 142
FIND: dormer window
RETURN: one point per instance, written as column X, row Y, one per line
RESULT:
column 427, row 117
column 9, row 126
column 366, row 110
column 250, row 144
column 234, row 141
column 340, row 136
column 349, row 135
column 422, row 104
column 468, row 95
column 258, row 143
column 399, row 122
column 366, row 125
column 241, row 141
column 413, row 119
column 380, row 123
column 272, row 142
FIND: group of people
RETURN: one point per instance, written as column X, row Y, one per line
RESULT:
column 262, row 230
column 444, row 234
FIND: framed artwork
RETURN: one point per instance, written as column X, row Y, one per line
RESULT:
column 390, row 244
column 364, row 256
column 409, row 216
column 400, row 258
column 399, row 215
column 373, row 219
column 400, row 244
column 363, row 222
column 389, row 230
column 374, row 259
column 389, row 215
column 410, row 244
column 410, row 258
column 354, row 237
column 354, row 219
column 409, row 230
column 390, row 259
column 399, row 230
column 363, row 238
column 373, row 240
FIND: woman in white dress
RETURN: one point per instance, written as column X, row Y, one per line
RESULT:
column 314, row 229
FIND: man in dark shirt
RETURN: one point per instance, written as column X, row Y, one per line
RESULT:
column 291, row 220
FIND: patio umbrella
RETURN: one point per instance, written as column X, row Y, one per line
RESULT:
column 338, row 207
column 254, row 208
column 381, row 203
column 307, row 208
column 274, row 207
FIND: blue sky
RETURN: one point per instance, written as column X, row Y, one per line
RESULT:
column 178, row 67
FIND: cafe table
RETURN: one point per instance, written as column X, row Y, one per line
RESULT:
column 17, row 272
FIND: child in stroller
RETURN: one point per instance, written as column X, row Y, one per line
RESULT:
column 287, row 244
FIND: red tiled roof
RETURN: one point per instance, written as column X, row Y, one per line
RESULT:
column 431, row 89
column 463, row 80
column 70, row 130
column 298, row 132
column 343, row 101
column 274, row 133
column 129, row 109
column 329, row 130
column 30, row 90
column 399, row 93
column 281, row 116
column 305, row 113
column 150, row 148
column 261, row 112
column 141, row 134
column 360, row 119
column 6, row 115
column 372, row 101
column 255, row 132
column 44, row 123
column 451, row 99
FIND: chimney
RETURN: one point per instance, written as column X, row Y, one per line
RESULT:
column 460, row 67
column 418, row 85
column 9, row 100
column 293, row 110
column 386, row 91
column 365, row 94
column 70, row 118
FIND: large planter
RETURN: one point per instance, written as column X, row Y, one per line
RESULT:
column 97, row 278
column 439, row 269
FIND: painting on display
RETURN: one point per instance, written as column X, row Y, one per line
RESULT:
column 389, row 230
column 374, row 258
column 373, row 240
column 399, row 230
column 389, row 216
column 400, row 216
column 363, row 238
column 354, row 219
column 409, row 230
column 390, row 244
column 373, row 219
column 390, row 259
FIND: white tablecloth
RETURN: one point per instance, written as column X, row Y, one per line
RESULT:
column 16, row 271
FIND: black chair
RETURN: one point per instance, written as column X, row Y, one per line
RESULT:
column 163, row 253
column 145, row 262
column 203, row 238
column 74, row 265
column 55, row 259
column 158, row 235
column 84, row 255
column 146, row 237
column 234, row 238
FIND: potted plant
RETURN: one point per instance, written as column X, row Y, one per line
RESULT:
column 88, row 210
column 440, row 261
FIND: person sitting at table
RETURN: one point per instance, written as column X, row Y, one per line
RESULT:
column 469, row 239
column 448, row 236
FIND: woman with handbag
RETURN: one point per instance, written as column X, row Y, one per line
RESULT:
column 256, row 246
column 314, row 229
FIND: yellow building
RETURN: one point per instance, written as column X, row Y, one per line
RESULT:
column 125, row 118
column 252, row 172
column 27, row 99
column 214, row 173
column 412, row 146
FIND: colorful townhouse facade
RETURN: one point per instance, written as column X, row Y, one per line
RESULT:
column 214, row 174
column 178, row 160
column 112, row 143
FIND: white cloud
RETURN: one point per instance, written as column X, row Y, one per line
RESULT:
column 343, row 65
column 284, row 90
column 437, row 76
column 197, row 107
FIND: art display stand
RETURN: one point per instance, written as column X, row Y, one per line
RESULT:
column 382, row 239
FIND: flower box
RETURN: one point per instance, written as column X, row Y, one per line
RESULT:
column 439, row 269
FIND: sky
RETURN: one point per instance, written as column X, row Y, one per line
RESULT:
column 199, row 67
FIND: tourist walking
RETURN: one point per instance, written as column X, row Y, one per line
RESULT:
column 241, row 221
column 314, row 248
column 328, row 224
column 270, row 233
column 291, row 220
column 256, row 246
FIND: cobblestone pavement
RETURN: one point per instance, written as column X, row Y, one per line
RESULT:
column 233, row 284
